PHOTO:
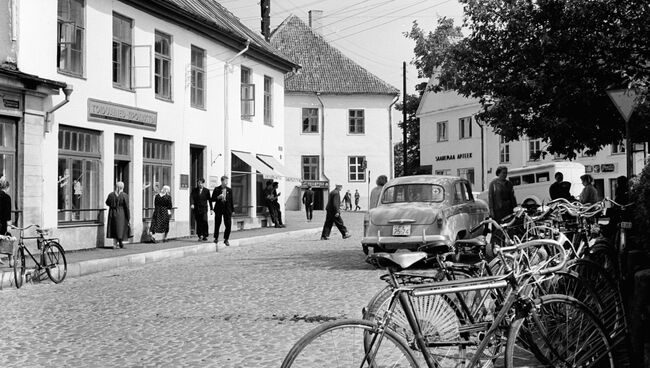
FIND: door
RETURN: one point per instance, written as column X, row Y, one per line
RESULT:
column 196, row 173
column 121, row 173
column 600, row 187
column 319, row 195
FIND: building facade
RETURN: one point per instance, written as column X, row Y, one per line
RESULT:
column 337, row 115
column 452, row 142
column 162, row 93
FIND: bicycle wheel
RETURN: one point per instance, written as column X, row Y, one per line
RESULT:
column 54, row 262
column 345, row 343
column 603, row 254
column 558, row 331
column 19, row 267
column 571, row 284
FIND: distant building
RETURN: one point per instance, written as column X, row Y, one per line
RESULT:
column 162, row 93
column 450, row 141
column 337, row 115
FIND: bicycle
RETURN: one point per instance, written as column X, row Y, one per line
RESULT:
column 52, row 256
column 559, row 330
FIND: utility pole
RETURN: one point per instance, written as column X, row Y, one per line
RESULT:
column 265, row 6
column 404, row 120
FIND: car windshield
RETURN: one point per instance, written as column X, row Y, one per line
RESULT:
column 413, row 193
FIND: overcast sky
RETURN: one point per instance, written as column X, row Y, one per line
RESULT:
column 370, row 32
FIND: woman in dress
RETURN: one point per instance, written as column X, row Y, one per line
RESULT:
column 161, row 214
column 117, row 226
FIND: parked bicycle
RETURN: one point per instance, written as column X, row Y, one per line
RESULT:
column 51, row 259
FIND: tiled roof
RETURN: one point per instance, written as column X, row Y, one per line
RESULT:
column 324, row 68
column 211, row 14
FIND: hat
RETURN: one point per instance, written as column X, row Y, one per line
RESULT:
column 339, row 185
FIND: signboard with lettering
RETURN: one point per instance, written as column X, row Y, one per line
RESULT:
column 608, row 168
column 458, row 156
column 589, row 168
column 315, row 183
column 11, row 103
column 185, row 181
column 112, row 113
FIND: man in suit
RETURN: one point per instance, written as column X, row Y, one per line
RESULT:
column 223, row 208
column 199, row 203
column 333, row 215
column 308, row 201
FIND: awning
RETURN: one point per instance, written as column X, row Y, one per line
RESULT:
column 254, row 163
column 279, row 168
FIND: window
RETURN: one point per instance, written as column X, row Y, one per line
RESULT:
column 8, row 155
column 585, row 154
column 122, row 40
column 443, row 172
column 413, row 193
column 309, row 120
column 504, row 150
column 156, row 172
column 163, row 66
column 467, row 173
column 241, row 186
column 197, row 90
column 463, row 193
column 442, row 131
column 310, row 167
column 543, row 177
column 247, row 94
column 70, row 37
column 618, row 148
column 534, row 149
column 515, row 180
column 465, row 128
column 356, row 122
column 268, row 100
column 78, row 184
column 355, row 168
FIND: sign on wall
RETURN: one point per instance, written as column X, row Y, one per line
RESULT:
column 459, row 156
column 112, row 113
column 185, row 181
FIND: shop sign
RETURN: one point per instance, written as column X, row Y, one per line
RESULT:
column 589, row 168
column 608, row 168
column 316, row 183
column 458, row 156
column 596, row 169
column 185, row 181
column 11, row 103
column 112, row 113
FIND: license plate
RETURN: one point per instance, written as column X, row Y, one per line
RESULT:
column 401, row 230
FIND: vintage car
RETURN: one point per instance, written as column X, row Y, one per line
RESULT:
column 425, row 209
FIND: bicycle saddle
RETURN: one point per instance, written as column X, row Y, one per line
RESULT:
column 403, row 259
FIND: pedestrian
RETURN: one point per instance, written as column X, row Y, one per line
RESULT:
column 268, row 202
column 117, row 226
column 501, row 195
column 347, row 201
column 357, row 196
column 223, row 209
column 5, row 206
column 162, row 213
column 308, row 201
column 376, row 191
column 589, row 193
column 560, row 188
column 333, row 215
column 276, row 205
column 199, row 203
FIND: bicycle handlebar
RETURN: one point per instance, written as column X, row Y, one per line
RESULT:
column 534, row 243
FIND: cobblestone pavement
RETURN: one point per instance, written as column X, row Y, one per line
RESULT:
column 242, row 307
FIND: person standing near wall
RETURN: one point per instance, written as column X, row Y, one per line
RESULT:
column 276, row 205
column 223, row 208
column 199, row 203
column 376, row 191
column 308, row 201
column 268, row 202
column 333, row 215
column 117, row 226
column 501, row 195
column 162, row 213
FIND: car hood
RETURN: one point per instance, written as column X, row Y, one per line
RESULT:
column 405, row 213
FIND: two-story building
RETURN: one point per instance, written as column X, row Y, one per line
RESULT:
column 337, row 116
column 154, row 93
column 453, row 142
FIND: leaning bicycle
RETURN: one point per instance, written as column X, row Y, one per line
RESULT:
column 51, row 259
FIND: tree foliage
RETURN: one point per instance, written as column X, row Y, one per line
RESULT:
column 413, row 138
column 542, row 67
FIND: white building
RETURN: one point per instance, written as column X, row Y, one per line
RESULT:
column 451, row 144
column 337, row 116
column 163, row 92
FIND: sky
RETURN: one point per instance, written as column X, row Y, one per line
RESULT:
column 370, row 32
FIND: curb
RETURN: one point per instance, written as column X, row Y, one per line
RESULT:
column 83, row 268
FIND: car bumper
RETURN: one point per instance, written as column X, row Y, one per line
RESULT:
column 403, row 242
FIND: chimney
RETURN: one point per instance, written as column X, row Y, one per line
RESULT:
column 266, row 18
column 315, row 20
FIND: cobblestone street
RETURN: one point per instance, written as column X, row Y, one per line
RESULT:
column 242, row 307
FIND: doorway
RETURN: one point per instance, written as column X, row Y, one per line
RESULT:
column 319, row 194
column 600, row 187
column 121, row 173
column 196, row 173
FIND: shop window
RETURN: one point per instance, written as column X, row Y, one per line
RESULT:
column 122, row 45
column 310, row 167
column 197, row 90
column 157, row 169
column 268, row 100
column 78, row 184
column 309, row 120
column 71, row 35
column 163, row 66
column 356, row 122
column 247, row 94
column 356, row 170
column 241, row 186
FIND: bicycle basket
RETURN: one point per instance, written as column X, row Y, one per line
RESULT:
column 7, row 244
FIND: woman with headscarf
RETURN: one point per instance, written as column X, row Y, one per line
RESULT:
column 117, row 226
column 161, row 214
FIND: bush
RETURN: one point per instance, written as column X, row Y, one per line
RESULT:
column 640, row 196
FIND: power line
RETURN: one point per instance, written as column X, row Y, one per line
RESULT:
column 362, row 10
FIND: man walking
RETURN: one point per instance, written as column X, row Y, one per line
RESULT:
column 308, row 201
column 356, row 199
column 347, row 200
column 223, row 208
column 199, row 202
column 333, row 215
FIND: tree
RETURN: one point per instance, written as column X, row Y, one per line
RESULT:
column 413, row 138
column 546, row 66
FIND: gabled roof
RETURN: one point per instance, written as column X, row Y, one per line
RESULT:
column 436, row 102
column 214, row 21
column 324, row 68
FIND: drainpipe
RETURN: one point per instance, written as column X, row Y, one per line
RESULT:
column 226, row 117
column 67, row 91
column 391, row 149
column 322, row 137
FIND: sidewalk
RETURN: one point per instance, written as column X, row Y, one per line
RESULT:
column 84, row 262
